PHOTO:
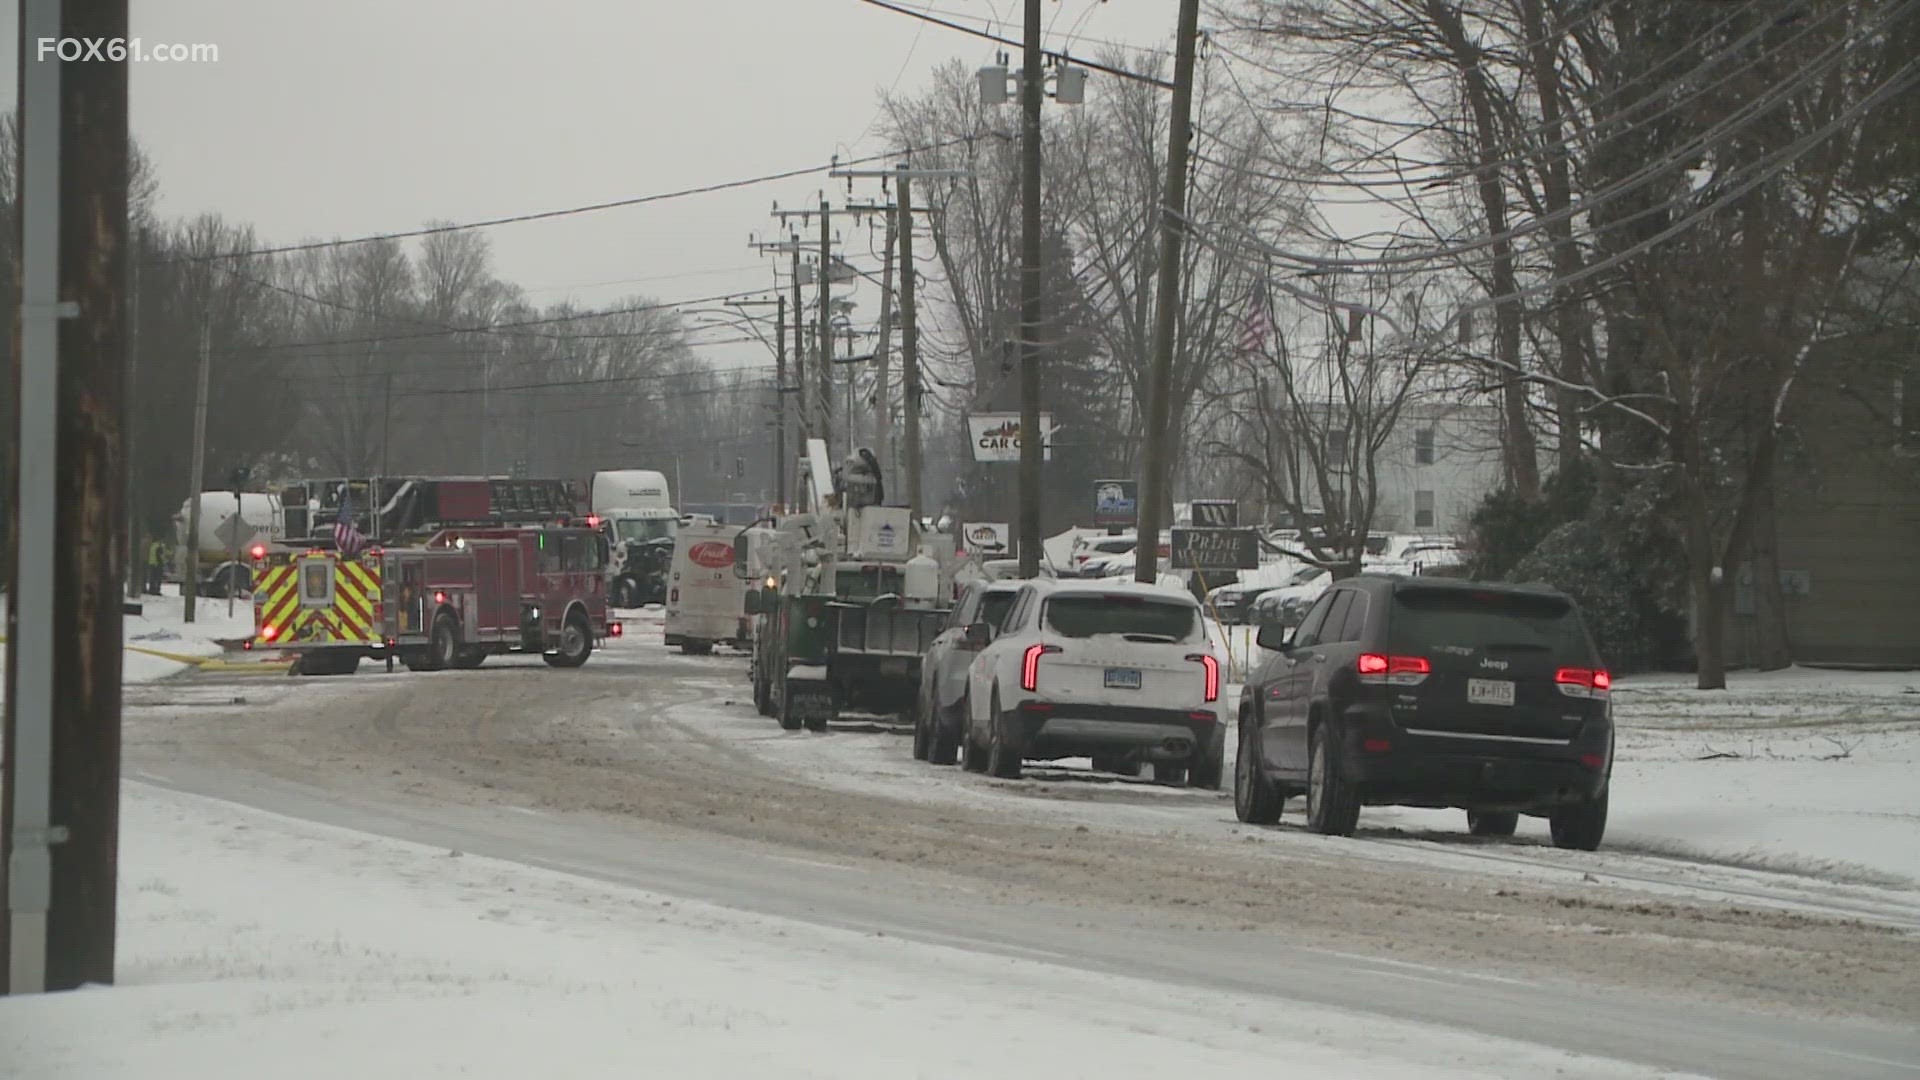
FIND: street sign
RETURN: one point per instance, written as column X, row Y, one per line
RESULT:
column 1215, row 549
column 1215, row 513
column 1115, row 502
column 988, row 539
column 996, row 436
column 235, row 531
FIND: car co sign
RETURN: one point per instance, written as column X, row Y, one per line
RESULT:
column 996, row 436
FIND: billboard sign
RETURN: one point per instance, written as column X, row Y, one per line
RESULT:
column 1215, row 549
column 1115, row 502
column 996, row 436
column 1215, row 513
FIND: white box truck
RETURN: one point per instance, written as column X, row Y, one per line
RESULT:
column 706, row 600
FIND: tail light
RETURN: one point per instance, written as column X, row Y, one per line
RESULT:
column 246, row 646
column 259, row 552
column 269, row 633
column 1375, row 746
column 1212, row 668
column 1379, row 668
column 439, row 598
column 615, row 629
column 1583, row 682
column 1030, row 665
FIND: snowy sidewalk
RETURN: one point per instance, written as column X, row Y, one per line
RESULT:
column 160, row 642
column 254, row 945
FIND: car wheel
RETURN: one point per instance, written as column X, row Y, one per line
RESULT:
column 1255, row 800
column 576, row 644
column 1002, row 760
column 1491, row 822
column 790, row 718
column 942, row 748
column 1205, row 773
column 1581, row 825
column 443, row 645
column 468, row 657
column 922, row 727
column 1333, row 807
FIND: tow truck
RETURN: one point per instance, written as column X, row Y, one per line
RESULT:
column 463, row 568
column 843, row 608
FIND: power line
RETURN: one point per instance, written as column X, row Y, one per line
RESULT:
column 1060, row 56
column 542, row 215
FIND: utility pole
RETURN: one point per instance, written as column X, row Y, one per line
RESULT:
column 780, row 407
column 825, row 334
column 904, row 174
column 909, row 342
column 882, row 407
column 1154, row 466
column 190, row 556
column 59, row 837
column 1031, row 90
column 135, row 585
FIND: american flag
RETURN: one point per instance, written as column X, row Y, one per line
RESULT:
column 1258, row 322
column 346, row 536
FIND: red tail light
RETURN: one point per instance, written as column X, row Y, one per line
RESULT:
column 1400, row 670
column 1212, row 667
column 269, row 633
column 246, row 646
column 1376, row 746
column 1030, row 665
column 1583, row 682
column 439, row 598
column 614, row 629
column 259, row 552
column 1593, row 761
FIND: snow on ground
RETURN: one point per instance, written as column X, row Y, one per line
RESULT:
column 161, row 628
column 255, row 945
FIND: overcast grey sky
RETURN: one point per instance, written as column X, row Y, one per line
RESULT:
column 354, row 117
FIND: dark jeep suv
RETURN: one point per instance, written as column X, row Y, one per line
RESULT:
column 1418, row 691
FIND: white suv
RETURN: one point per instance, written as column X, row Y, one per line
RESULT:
column 1116, row 671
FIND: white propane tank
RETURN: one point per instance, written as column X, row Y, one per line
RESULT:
column 922, row 576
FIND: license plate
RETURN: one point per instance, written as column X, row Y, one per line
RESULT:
column 1489, row 692
column 1123, row 678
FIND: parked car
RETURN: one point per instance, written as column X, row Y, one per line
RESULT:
column 1288, row 603
column 1116, row 671
column 1233, row 604
column 1090, row 547
column 1417, row 691
column 940, row 709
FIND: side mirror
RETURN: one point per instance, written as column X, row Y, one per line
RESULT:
column 741, row 568
column 753, row 601
column 977, row 636
column 1274, row 637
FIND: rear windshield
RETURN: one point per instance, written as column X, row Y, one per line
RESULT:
column 1085, row 616
column 1487, row 621
column 994, row 607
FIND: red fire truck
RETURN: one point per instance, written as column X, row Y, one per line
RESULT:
column 494, row 575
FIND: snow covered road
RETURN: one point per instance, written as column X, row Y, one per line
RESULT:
column 638, row 772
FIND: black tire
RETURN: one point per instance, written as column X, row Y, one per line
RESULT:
column 1206, row 774
column 762, row 696
column 443, row 644
column 1116, row 766
column 576, row 644
column 468, row 657
column 817, row 722
column 1002, row 760
column 943, row 749
column 1170, row 772
column 973, row 756
column 1333, row 806
column 1492, row 822
column 1256, row 800
column 789, row 717
column 922, row 727
column 1581, row 826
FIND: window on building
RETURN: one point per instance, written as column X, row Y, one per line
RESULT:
column 1337, row 444
column 1423, row 509
column 1423, row 446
